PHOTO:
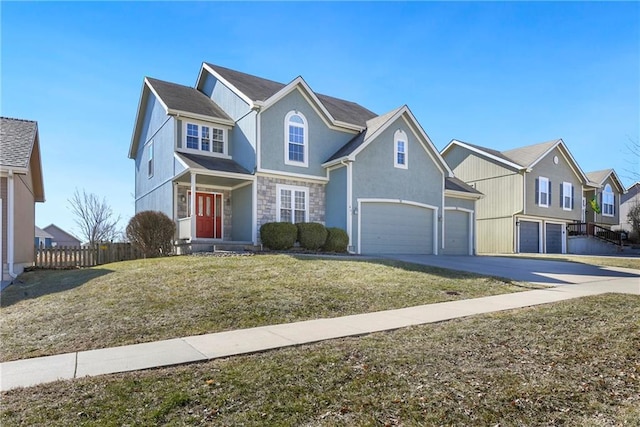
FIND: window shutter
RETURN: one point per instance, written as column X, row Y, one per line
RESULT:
column 549, row 199
column 561, row 194
column 572, row 197
column 537, row 191
column 614, row 205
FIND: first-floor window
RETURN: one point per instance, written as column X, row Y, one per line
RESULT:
column 292, row 204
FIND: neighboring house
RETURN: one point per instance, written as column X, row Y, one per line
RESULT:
column 628, row 200
column 61, row 238
column 237, row 151
column 21, row 186
column 606, row 189
column 531, row 194
column 43, row 239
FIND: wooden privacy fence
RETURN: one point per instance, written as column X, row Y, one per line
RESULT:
column 85, row 256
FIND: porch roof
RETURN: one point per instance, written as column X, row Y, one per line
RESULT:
column 197, row 162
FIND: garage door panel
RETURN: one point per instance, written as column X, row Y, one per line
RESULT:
column 456, row 233
column 395, row 228
column 529, row 237
column 553, row 238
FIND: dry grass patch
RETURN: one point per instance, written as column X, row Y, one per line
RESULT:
column 131, row 302
column 573, row 363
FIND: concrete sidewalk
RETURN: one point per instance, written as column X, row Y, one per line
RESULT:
column 29, row 372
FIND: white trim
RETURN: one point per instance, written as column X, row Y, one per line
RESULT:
column 187, row 115
column 540, row 232
column 1, row 245
column 612, row 204
column 292, row 189
column 569, row 186
column 400, row 136
column 234, row 89
column 350, row 202
column 563, row 232
column 481, row 152
column 199, row 150
column 305, row 139
column 213, row 208
column 150, row 160
column 360, row 201
column 280, row 174
column 254, row 212
column 571, row 162
column 463, row 195
column 547, row 192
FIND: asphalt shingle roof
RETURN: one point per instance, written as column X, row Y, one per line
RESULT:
column 456, row 184
column 525, row 156
column 259, row 89
column 599, row 176
column 17, row 137
column 187, row 99
column 195, row 161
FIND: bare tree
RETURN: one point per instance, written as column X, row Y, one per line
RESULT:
column 633, row 151
column 94, row 217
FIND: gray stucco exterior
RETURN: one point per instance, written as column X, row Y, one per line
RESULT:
column 336, row 190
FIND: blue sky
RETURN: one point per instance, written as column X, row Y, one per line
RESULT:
column 498, row 74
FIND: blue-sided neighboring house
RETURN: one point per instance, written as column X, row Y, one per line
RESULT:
column 237, row 151
column 42, row 239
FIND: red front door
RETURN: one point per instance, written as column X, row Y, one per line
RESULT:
column 209, row 215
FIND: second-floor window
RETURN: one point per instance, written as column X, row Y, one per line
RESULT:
column 400, row 149
column 204, row 138
column 296, row 139
column 567, row 196
column 544, row 192
column 150, row 161
column 608, row 201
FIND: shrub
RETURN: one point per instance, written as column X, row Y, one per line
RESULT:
column 311, row 235
column 337, row 240
column 152, row 232
column 278, row 235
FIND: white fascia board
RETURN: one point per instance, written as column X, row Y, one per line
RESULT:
column 463, row 195
column 483, row 153
column 5, row 170
column 186, row 114
column 136, row 124
column 337, row 162
column 225, row 82
column 146, row 82
column 291, row 175
column 575, row 167
column 221, row 174
column 313, row 100
column 374, row 135
column 431, row 149
column 182, row 162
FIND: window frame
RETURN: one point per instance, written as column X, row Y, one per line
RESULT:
column 567, row 192
column 150, row 161
column 400, row 136
column 547, row 185
column 292, row 189
column 608, row 192
column 210, row 142
column 305, row 139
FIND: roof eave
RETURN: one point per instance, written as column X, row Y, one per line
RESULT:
column 188, row 114
column 486, row 154
column 463, row 194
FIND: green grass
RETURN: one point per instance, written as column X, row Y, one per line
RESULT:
column 53, row 312
column 573, row 363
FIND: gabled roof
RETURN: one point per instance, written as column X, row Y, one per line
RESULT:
column 599, row 177
column 377, row 125
column 185, row 99
column 59, row 230
column 40, row 233
column 20, row 151
column 259, row 89
column 17, row 138
column 195, row 161
column 523, row 158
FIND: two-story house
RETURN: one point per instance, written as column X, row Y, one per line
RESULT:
column 237, row 151
column 531, row 194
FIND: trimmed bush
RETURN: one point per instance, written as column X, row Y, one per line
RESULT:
column 311, row 235
column 337, row 240
column 152, row 232
column 278, row 235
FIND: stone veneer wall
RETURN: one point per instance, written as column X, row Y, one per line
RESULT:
column 226, row 207
column 267, row 199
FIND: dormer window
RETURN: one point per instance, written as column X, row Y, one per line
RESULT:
column 205, row 138
column 400, row 143
column 296, row 149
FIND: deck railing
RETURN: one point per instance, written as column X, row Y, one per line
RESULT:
column 594, row 230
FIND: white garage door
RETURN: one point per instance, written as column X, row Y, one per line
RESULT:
column 456, row 232
column 399, row 228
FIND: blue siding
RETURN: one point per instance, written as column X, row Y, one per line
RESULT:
column 160, row 199
column 241, row 211
column 323, row 142
column 374, row 174
column 159, row 127
column 336, row 195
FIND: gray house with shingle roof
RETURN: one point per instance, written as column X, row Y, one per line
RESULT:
column 236, row 151
column 532, row 194
column 21, row 186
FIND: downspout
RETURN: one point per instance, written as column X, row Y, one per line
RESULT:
column 347, row 164
column 10, row 224
column 254, row 190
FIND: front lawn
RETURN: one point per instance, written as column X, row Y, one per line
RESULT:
column 573, row 363
column 53, row 312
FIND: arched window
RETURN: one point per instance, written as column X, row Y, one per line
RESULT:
column 400, row 149
column 608, row 200
column 296, row 139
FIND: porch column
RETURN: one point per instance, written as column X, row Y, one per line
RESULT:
column 193, row 206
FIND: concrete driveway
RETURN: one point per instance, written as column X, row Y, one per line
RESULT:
column 539, row 271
